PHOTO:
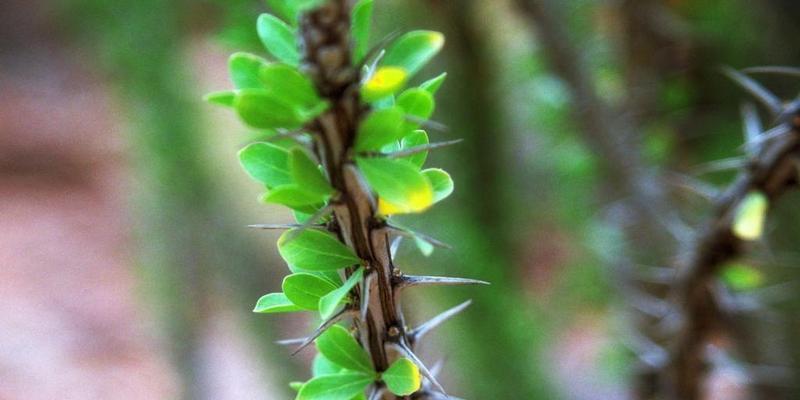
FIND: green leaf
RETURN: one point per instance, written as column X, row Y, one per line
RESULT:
column 244, row 69
column 278, row 38
column 342, row 386
column 417, row 102
column 315, row 250
column 361, row 22
column 402, row 378
column 433, row 85
column 441, row 182
column 413, row 50
column 223, row 98
column 401, row 187
column 290, row 84
column 742, row 276
column 290, row 10
column 748, row 224
column 307, row 175
column 263, row 109
column 275, row 303
column 383, row 83
column 296, row 386
column 322, row 366
column 329, row 302
column 294, row 197
column 339, row 346
column 266, row 163
column 416, row 138
column 305, row 289
column 380, row 127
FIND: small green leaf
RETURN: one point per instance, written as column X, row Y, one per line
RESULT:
column 278, row 38
column 383, row 83
column 418, row 103
column 290, row 84
column 339, row 346
column 294, row 197
column 441, row 182
column 322, row 366
column 742, row 277
column 402, row 378
column 266, row 163
column 305, row 289
column 315, row 250
column 342, row 386
column 244, row 69
column 433, row 85
column 413, row 50
column 380, row 127
column 329, row 302
column 416, row 138
column 275, row 303
column 401, row 187
column 263, row 109
column 296, row 386
column 748, row 224
column 361, row 22
column 307, row 175
column 223, row 98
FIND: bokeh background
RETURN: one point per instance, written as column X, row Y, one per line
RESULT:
column 127, row 270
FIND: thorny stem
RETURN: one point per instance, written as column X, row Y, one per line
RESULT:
column 772, row 172
column 325, row 39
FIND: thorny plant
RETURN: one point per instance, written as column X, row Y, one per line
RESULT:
column 341, row 143
column 770, row 168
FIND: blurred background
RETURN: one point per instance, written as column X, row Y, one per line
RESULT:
column 127, row 270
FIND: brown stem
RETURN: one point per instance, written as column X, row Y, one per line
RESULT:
column 325, row 36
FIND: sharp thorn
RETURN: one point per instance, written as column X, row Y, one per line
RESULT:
column 406, row 351
column 407, row 281
column 377, row 393
column 694, row 185
column 420, row 331
column 412, row 235
column 437, row 368
column 752, row 123
column 322, row 328
column 289, row 342
column 427, row 123
column 725, row 164
column 412, row 150
column 278, row 226
column 378, row 49
column 321, row 213
column 773, row 69
column 769, row 100
column 773, row 133
column 395, row 246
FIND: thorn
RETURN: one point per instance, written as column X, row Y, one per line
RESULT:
column 437, row 368
column 752, row 124
column 694, row 185
column 365, row 296
column 377, row 393
column 427, row 123
column 412, row 235
column 773, row 69
column 660, row 275
column 720, row 165
column 322, row 328
column 769, row 100
column 651, row 354
column 279, row 226
column 395, row 246
column 412, row 150
column 773, row 133
column 419, row 332
column 378, row 49
column 289, row 342
column 321, row 213
column 439, row 396
column 406, row 351
column 407, row 281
